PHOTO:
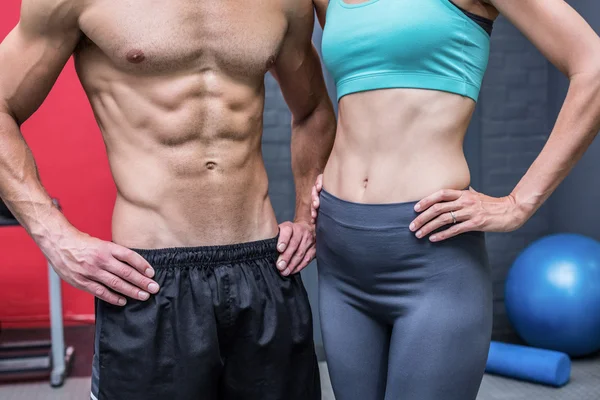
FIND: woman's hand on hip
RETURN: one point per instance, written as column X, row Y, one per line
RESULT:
column 465, row 210
column 315, row 201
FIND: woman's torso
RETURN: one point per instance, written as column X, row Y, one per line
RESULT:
column 404, row 141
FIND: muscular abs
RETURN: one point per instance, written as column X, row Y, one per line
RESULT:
column 177, row 90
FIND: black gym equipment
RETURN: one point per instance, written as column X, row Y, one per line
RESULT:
column 6, row 217
column 48, row 359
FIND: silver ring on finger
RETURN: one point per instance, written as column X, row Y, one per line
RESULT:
column 453, row 217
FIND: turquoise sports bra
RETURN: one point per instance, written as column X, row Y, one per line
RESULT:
column 424, row 44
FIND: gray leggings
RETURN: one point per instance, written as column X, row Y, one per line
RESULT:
column 402, row 318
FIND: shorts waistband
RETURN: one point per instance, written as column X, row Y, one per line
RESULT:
column 366, row 215
column 210, row 255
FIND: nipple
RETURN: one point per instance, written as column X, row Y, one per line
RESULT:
column 135, row 56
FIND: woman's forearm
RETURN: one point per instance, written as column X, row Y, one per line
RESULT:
column 576, row 127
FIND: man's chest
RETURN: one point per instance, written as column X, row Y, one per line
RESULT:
column 239, row 36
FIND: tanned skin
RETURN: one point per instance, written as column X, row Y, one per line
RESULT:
column 177, row 90
column 399, row 145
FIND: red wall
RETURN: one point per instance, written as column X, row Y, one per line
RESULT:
column 71, row 157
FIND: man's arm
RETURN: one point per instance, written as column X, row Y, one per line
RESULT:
column 298, row 71
column 321, row 10
column 31, row 58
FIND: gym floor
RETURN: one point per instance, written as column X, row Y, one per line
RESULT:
column 584, row 385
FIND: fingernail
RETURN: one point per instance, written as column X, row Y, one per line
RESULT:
column 286, row 272
column 281, row 265
column 417, row 207
column 153, row 287
column 433, row 238
column 281, row 246
column 412, row 226
column 143, row 295
column 149, row 272
column 122, row 302
column 419, row 234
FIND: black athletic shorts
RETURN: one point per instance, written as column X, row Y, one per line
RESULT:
column 225, row 325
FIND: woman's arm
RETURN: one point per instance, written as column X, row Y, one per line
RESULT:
column 564, row 37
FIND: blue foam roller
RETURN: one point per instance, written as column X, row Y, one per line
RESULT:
column 547, row 367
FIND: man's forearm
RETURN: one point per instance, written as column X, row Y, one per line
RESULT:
column 312, row 141
column 20, row 186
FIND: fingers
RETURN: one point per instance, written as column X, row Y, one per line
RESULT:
column 120, row 286
column 290, row 250
column 441, row 221
column 132, row 258
column 314, row 205
column 133, row 268
column 443, row 195
column 439, row 211
column 300, row 249
column 285, row 233
column 298, row 258
column 133, row 279
column 454, row 230
column 295, row 260
column 308, row 257
column 319, row 183
column 315, row 201
column 119, row 271
column 101, row 292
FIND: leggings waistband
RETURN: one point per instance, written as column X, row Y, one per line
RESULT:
column 367, row 216
column 210, row 255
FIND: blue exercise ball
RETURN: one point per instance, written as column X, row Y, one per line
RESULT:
column 552, row 294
